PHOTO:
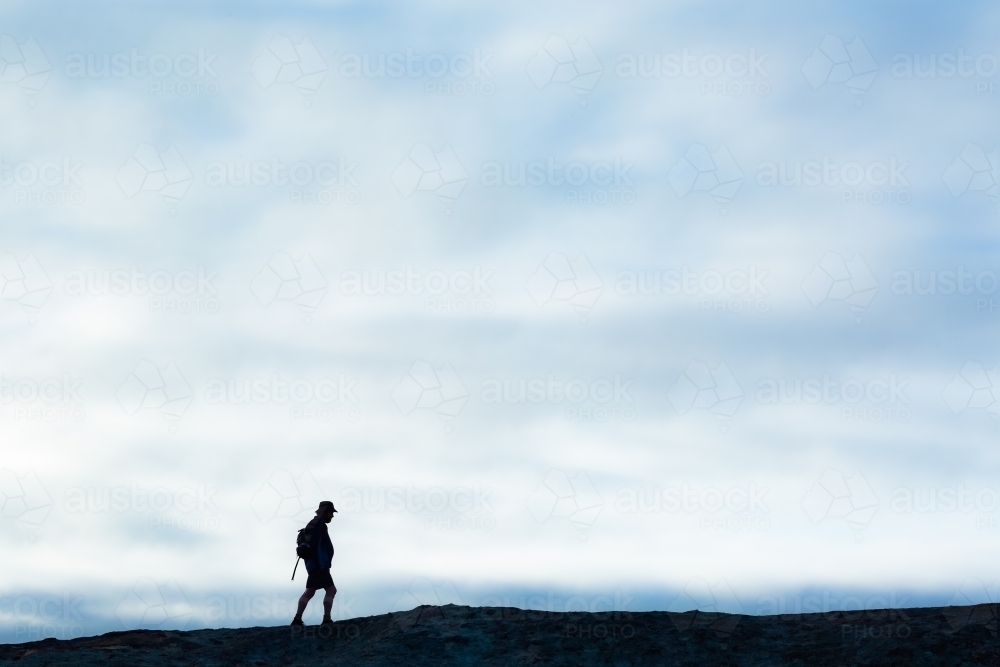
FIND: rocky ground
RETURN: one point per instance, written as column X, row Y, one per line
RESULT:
column 453, row 635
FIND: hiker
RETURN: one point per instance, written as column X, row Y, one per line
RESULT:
column 318, row 563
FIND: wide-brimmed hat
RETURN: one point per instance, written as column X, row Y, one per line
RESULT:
column 326, row 504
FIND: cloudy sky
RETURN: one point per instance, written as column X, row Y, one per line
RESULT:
column 670, row 306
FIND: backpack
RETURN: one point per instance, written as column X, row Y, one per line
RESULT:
column 305, row 548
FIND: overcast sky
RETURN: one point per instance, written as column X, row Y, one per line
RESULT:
column 665, row 306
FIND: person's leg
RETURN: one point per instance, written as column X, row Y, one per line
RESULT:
column 304, row 600
column 331, row 591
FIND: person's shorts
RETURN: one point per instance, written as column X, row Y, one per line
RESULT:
column 319, row 578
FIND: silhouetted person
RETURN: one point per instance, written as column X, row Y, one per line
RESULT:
column 318, row 566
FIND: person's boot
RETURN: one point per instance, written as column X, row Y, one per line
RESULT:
column 297, row 621
column 327, row 620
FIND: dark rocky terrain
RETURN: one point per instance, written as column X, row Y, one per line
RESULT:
column 453, row 635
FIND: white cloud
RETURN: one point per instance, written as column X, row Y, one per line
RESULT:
column 280, row 256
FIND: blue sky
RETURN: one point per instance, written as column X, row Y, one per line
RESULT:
column 642, row 379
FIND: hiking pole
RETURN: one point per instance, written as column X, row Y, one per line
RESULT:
column 296, row 568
